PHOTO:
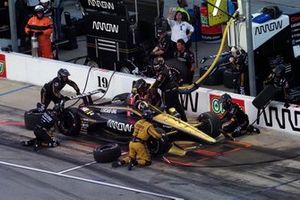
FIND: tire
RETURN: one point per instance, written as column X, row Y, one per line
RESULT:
column 107, row 153
column 228, row 78
column 32, row 118
column 211, row 124
column 215, row 77
column 69, row 123
column 158, row 147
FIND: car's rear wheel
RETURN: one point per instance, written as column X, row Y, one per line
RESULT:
column 158, row 147
column 211, row 124
column 32, row 118
column 69, row 122
column 107, row 153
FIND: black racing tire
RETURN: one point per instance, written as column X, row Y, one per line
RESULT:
column 121, row 97
column 158, row 147
column 211, row 124
column 32, row 118
column 69, row 123
column 228, row 77
column 107, row 153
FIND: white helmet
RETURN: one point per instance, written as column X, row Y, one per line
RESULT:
column 44, row 1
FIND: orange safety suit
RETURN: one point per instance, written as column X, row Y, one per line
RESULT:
column 44, row 25
column 138, row 149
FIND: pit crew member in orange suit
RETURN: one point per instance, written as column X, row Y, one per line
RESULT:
column 138, row 150
column 42, row 27
column 51, row 90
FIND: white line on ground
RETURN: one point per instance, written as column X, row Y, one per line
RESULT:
column 78, row 167
column 88, row 180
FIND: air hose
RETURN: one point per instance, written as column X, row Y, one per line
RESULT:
column 194, row 86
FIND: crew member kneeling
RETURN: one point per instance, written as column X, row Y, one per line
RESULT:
column 235, row 120
column 138, row 150
column 44, row 130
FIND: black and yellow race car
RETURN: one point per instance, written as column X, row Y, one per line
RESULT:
column 115, row 120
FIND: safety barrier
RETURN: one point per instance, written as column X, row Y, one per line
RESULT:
column 37, row 71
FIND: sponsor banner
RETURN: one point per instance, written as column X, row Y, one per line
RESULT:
column 217, row 108
column 110, row 6
column 215, row 16
column 2, row 66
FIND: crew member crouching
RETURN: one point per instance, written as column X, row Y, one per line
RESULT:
column 235, row 120
column 44, row 130
column 138, row 150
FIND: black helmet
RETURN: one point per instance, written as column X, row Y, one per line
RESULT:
column 140, row 84
column 158, row 63
column 62, row 73
column 279, row 71
column 226, row 101
column 39, row 9
column 147, row 114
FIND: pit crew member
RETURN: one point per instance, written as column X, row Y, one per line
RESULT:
column 42, row 27
column 44, row 130
column 138, row 150
column 51, row 90
column 235, row 121
column 167, row 82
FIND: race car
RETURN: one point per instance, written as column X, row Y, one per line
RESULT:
column 115, row 120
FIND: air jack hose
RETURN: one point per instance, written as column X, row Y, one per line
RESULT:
column 194, row 86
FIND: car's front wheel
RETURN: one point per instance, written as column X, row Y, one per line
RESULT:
column 158, row 147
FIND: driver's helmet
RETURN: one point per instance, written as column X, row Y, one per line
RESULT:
column 147, row 114
column 39, row 9
column 226, row 101
column 279, row 71
column 158, row 63
column 140, row 86
column 63, row 74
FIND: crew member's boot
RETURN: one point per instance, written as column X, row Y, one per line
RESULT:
column 131, row 164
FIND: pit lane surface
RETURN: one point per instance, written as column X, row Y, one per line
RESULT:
column 264, row 166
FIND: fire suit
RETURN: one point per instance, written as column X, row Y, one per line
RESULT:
column 51, row 90
column 44, row 131
column 138, row 149
column 44, row 28
column 166, row 82
column 235, row 120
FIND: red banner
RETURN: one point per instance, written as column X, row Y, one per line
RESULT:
column 217, row 108
column 2, row 66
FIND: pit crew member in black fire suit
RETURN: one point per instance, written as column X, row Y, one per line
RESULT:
column 235, row 120
column 277, row 78
column 51, row 90
column 238, row 61
column 167, row 82
column 183, row 54
column 44, row 130
column 141, row 91
column 138, row 150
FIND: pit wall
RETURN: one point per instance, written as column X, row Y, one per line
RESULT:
column 38, row 71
